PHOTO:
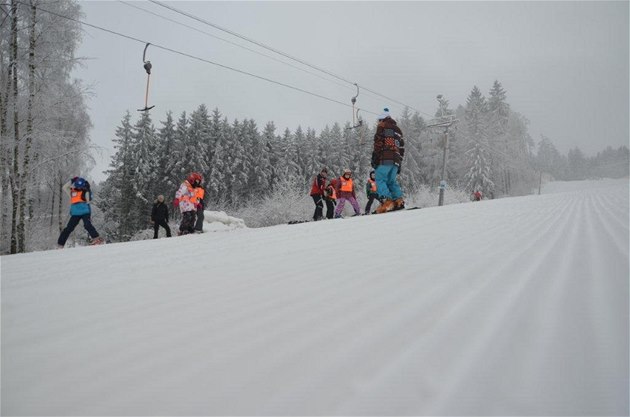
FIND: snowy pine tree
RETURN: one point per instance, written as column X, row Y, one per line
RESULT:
column 498, row 118
column 146, row 166
column 478, row 176
column 197, row 139
column 117, row 197
column 167, row 180
column 269, row 142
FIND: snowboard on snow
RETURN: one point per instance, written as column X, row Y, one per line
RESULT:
column 374, row 212
column 299, row 221
column 398, row 211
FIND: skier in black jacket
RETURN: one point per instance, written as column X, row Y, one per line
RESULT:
column 159, row 217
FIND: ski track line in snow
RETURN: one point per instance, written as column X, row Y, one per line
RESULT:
column 384, row 278
column 578, row 358
column 465, row 299
column 338, row 366
column 481, row 351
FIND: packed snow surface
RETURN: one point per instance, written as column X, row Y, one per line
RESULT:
column 517, row 306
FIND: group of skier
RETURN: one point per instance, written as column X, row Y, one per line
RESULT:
column 189, row 198
column 382, row 185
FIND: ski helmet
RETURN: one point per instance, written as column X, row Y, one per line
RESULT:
column 79, row 183
column 194, row 176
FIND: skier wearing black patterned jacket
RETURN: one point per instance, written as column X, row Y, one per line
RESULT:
column 387, row 156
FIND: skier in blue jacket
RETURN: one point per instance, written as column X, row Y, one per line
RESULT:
column 80, row 197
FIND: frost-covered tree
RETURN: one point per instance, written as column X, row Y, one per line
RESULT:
column 167, row 180
column 549, row 160
column 240, row 162
column 197, row 144
column 269, row 142
column 498, row 119
column 523, row 177
column 413, row 128
column 117, row 198
column 611, row 163
column 218, row 183
column 180, row 163
column 146, row 165
column 478, row 163
column 36, row 92
column 578, row 165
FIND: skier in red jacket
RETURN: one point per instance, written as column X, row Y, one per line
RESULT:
column 317, row 192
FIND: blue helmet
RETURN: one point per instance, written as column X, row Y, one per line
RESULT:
column 79, row 183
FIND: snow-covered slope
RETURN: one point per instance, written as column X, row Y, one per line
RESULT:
column 508, row 307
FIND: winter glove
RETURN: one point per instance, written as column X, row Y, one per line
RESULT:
column 176, row 202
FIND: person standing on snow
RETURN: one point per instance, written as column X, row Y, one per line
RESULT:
column 330, row 198
column 200, row 193
column 345, row 192
column 317, row 192
column 80, row 198
column 186, row 200
column 370, row 190
column 159, row 217
column 387, row 156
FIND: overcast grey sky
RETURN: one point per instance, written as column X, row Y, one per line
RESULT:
column 564, row 65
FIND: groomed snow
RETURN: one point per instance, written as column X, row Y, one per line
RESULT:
column 515, row 306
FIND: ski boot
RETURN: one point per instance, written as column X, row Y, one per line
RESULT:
column 399, row 204
column 387, row 205
column 97, row 241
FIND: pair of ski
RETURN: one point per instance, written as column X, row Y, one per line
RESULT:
column 90, row 242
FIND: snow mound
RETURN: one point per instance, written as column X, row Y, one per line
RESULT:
column 218, row 221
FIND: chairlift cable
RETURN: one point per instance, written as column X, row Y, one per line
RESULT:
column 232, row 43
column 284, row 54
column 196, row 58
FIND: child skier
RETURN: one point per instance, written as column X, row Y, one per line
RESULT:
column 159, row 217
column 186, row 200
column 370, row 190
column 317, row 193
column 346, row 193
column 200, row 193
column 330, row 198
column 80, row 197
